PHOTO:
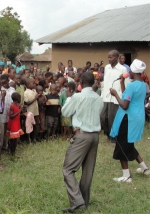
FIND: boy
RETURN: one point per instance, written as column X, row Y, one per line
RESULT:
column 62, row 81
column 70, row 76
column 49, row 78
column 4, row 117
column 52, row 111
column 11, row 73
column 30, row 99
column 19, row 87
column 27, row 73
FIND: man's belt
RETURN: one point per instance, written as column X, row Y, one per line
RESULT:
column 78, row 131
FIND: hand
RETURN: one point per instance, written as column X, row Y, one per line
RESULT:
column 113, row 92
column 122, row 78
column 36, row 96
column 48, row 103
column 3, row 93
column 102, row 62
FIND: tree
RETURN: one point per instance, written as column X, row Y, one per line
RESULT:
column 14, row 39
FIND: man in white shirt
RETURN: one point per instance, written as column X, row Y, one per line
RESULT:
column 112, row 71
column 70, row 65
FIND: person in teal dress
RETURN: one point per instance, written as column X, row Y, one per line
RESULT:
column 18, row 66
column 129, row 122
column 66, row 122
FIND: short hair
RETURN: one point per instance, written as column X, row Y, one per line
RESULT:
column 114, row 53
column 11, row 68
column 39, row 87
column 95, row 87
column 88, row 63
column 88, row 78
column 4, row 77
column 96, row 63
column 56, row 74
column 78, row 74
column 27, row 81
column 69, row 60
column 15, row 96
column 60, row 75
column 42, row 83
column 80, row 69
column 12, row 84
column 26, row 70
column 48, row 74
column 72, row 85
column 121, row 56
column 53, row 86
column 21, row 72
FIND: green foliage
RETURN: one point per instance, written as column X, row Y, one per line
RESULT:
column 13, row 39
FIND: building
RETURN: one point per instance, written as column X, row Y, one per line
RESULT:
column 25, row 58
column 126, row 30
column 44, row 59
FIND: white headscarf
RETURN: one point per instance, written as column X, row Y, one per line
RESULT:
column 137, row 66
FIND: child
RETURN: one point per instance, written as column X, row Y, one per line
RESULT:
column 11, row 73
column 45, row 86
column 8, row 100
column 66, row 121
column 19, row 87
column 81, row 70
column 41, row 104
column 2, row 101
column 27, row 73
column 95, row 87
column 55, row 77
column 14, row 130
column 62, row 69
column 62, row 81
column 30, row 99
column 12, row 84
column 71, row 76
column 52, row 111
column 77, row 79
column 58, row 88
column 95, row 70
column 49, row 78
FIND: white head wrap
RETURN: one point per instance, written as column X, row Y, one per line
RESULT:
column 137, row 66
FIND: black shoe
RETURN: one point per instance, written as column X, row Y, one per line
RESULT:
column 74, row 208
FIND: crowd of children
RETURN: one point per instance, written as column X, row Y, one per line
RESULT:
column 31, row 101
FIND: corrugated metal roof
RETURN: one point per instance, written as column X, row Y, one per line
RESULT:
column 124, row 24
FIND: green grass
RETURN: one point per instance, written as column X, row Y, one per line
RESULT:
column 34, row 183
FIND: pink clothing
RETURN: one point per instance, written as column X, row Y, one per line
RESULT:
column 29, row 122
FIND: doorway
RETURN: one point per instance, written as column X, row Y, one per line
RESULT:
column 128, row 58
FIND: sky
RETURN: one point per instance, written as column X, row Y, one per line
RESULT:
column 43, row 17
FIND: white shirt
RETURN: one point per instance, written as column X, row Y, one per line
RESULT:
column 111, row 74
column 5, row 116
column 74, row 70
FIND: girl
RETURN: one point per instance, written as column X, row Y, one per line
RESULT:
column 42, row 106
column 129, row 121
column 66, row 121
column 14, row 130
